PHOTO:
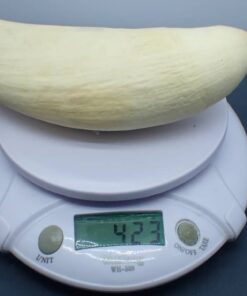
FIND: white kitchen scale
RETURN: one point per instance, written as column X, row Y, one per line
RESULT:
column 121, row 211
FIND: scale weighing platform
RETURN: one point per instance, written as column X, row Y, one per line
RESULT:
column 121, row 211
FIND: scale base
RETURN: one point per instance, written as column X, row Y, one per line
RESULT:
column 213, row 202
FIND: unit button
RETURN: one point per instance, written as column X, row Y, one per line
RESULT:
column 188, row 232
column 50, row 239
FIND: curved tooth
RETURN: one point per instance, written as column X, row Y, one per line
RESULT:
column 117, row 79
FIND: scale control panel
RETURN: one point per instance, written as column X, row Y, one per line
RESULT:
column 131, row 245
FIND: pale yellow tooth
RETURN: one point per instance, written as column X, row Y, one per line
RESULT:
column 117, row 79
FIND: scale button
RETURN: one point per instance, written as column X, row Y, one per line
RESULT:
column 50, row 239
column 188, row 232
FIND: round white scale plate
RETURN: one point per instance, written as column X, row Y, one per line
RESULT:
column 112, row 165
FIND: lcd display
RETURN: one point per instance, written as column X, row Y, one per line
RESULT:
column 118, row 229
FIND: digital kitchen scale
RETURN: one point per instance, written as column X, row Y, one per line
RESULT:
column 121, row 211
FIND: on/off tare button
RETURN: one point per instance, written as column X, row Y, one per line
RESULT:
column 50, row 239
column 188, row 232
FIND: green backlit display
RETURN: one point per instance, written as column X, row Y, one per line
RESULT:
column 118, row 229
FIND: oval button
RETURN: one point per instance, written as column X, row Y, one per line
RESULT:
column 188, row 232
column 50, row 239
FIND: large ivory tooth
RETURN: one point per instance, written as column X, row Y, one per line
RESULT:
column 117, row 79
